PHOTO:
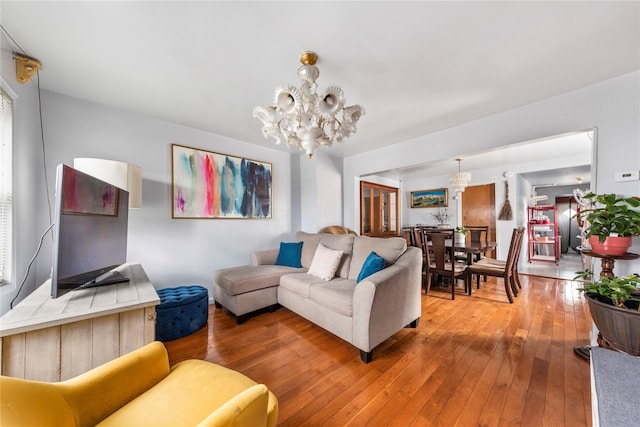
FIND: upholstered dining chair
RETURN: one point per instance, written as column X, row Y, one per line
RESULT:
column 442, row 260
column 505, row 271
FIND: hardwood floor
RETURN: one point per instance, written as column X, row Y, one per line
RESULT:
column 474, row 361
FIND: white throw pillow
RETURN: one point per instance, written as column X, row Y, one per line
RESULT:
column 325, row 262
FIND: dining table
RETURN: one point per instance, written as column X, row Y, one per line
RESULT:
column 472, row 248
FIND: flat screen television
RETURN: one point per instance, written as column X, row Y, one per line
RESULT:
column 90, row 232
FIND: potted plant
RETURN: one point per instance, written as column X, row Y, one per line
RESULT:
column 460, row 234
column 612, row 221
column 442, row 215
column 614, row 303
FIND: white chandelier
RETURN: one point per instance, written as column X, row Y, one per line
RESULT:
column 305, row 119
column 459, row 180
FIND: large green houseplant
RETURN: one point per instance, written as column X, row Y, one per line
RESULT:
column 612, row 221
column 614, row 303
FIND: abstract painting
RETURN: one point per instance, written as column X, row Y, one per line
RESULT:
column 437, row 198
column 213, row 185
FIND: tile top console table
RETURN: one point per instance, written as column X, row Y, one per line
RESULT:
column 49, row 339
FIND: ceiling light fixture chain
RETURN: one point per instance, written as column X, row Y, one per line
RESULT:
column 305, row 119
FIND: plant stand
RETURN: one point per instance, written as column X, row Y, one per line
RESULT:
column 607, row 265
column 608, row 261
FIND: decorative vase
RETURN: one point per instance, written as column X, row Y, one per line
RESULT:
column 459, row 238
column 611, row 246
column 618, row 326
column 444, row 226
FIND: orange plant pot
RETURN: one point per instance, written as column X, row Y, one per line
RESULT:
column 611, row 246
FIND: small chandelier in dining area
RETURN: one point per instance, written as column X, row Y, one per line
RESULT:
column 459, row 180
column 305, row 119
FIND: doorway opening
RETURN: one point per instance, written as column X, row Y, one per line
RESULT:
column 560, row 194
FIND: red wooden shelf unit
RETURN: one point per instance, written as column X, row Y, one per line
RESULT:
column 544, row 244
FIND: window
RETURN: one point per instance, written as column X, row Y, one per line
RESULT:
column 6, row 187
column 378, row 210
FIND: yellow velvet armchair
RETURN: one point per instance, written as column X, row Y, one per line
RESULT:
column 140, row 389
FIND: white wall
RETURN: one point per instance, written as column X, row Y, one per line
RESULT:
column 27, row 158
column 320, row 191
column 613, row 106
column 172, row 251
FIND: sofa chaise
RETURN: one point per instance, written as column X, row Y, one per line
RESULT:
column 140, row 389
column 363, row 311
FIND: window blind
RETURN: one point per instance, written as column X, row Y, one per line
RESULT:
column 6, row 185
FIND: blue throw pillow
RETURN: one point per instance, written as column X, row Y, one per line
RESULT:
column 372, row 264
column 290, row 254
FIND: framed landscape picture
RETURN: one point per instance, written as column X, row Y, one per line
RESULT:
column 213, row 185
column 437, row 198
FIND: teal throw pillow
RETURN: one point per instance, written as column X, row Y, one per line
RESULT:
column 372, row 264
column 290, row 254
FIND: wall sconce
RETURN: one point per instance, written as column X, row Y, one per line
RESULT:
column 26, row 67
column 122, row 175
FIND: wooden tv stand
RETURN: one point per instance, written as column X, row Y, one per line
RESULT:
column 48, row 339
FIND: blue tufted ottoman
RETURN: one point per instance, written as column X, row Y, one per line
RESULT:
column 181, row 312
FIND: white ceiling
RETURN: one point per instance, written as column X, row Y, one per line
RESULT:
column 416, row 67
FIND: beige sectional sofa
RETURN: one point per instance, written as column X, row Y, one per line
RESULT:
column 363, row 314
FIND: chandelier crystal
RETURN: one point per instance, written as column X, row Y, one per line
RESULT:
column 459, row 180
column 304, row 119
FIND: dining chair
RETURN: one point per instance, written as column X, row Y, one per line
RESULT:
column 407, row 233
column 478, row 233
column 420, row 241
column 516, row 274
column 505, row 271
column 426, row 274
column 417, row 236
column 443, row 263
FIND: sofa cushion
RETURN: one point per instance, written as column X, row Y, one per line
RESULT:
column 289, row 254
column 336, row 295
column 299, row 283
column 340, row 242
column 372, row 265
column 388, row 248
column 325, row 262
column 309, row 245
column 239, row 280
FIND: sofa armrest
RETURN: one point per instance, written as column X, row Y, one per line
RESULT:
column 33, row 403
column 98, row 393
column 388, row 300
column 267, row 257
column 248, row 408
